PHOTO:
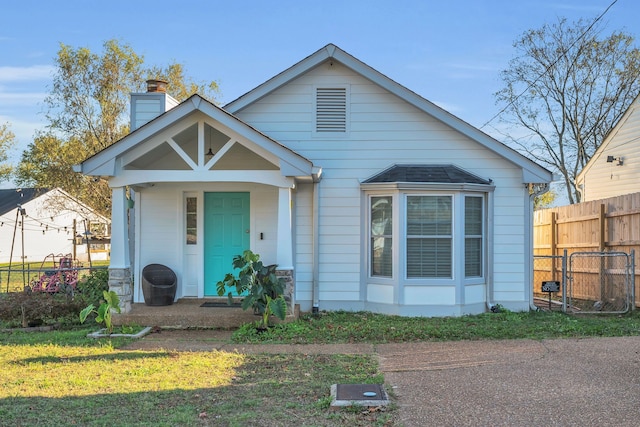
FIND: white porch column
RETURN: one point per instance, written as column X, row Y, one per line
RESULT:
column 119, row 229
column 120, row 264
column 284, row 251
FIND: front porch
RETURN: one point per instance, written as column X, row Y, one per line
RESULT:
column 187, row 313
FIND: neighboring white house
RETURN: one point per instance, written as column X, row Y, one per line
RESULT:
column 614, row 169
column 366, row 195
column 39, row 223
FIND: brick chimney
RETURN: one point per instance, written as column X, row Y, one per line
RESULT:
column 147, row 106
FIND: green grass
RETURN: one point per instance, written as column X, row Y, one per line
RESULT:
column 63, row 378
column 365, row 327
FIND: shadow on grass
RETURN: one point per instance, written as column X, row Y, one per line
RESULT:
column 165, row 408
column 90, row 358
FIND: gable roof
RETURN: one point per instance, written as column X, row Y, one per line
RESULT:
column 103, row 163
column 10, row 199
column 532, row 172
column 610, row 136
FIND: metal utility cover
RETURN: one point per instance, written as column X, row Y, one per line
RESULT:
column 358, row 394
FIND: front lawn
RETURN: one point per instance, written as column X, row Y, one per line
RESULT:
column 366, row 327
column 63, row 378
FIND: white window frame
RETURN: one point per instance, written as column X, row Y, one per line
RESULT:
column 452, row 237
column 399, row 246
column 392, row 236
column 483, row 235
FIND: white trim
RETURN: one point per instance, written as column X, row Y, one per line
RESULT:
column 136, row 177
column 532, row 172
column 165, row 126
column 284, row 249
column 119, row 230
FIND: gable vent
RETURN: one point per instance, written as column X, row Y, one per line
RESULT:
column 331, row 110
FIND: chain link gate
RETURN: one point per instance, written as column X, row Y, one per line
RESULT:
column 549, row 269
column 601, row 282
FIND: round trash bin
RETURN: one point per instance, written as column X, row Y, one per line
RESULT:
column 159, row 284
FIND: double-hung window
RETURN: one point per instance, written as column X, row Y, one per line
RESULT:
column 381, row 232
column 473, row 236
column 429, row 236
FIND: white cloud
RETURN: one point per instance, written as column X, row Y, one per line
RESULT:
column 35, row 72
column 21, row 128
column 21, row 99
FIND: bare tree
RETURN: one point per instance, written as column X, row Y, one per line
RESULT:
column 565, row 90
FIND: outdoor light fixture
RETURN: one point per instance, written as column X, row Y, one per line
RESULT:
column 611, row 159
column 209, row 153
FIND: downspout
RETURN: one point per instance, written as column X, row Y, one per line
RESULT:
column 315, row 232
column 535, row 190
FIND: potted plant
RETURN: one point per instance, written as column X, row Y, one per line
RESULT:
column 103, row 313
column 261, row 289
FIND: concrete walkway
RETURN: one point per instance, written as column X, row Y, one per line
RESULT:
column 564, row 382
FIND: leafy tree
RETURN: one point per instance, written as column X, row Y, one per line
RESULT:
column 88, row 110
column 544, row 200
column 7, row 140
column 47, row 163
column 565, row 90
column 180, row 86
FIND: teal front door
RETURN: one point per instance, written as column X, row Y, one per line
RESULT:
column 226, row 234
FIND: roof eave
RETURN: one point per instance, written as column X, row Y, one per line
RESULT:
column 531, row 170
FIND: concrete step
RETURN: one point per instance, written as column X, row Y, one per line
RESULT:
column 187, row 313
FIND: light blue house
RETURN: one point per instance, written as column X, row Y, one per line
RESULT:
column 366, row 195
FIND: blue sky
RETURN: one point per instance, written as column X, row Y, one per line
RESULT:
column 450, row 52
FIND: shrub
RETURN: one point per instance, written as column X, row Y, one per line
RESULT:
column 90, row 289
column 38, row 308
column 22, row 309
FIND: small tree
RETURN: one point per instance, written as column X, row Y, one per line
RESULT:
column 264, row 290
column 7, row 139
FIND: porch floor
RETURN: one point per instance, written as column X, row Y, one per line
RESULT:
column 187, row 313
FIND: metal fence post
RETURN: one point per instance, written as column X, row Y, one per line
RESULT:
column 564, row 281
column 633, row 279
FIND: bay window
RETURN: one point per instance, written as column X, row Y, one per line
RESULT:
column 432, row 234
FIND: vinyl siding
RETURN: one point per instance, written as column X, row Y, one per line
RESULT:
column 383, row 130
column 161, row 234
column 603, row 180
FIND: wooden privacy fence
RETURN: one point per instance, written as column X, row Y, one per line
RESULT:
column 607, row 225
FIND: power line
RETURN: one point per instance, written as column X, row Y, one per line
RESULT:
column 551, row 65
